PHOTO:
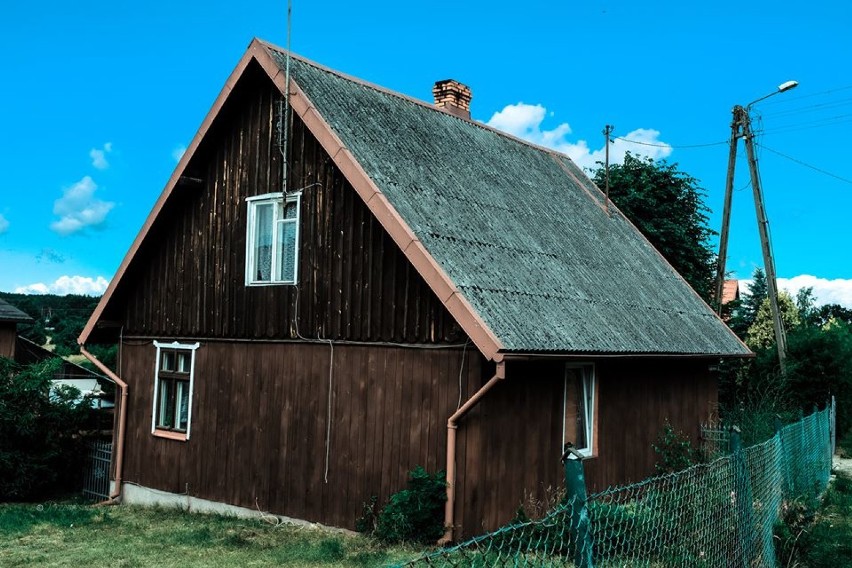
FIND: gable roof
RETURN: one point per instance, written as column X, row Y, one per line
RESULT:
column 9, row 313
column 512, row 237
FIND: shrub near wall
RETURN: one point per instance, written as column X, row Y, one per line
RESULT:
column 40, row 442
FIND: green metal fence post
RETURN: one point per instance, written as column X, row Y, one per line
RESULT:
column 745, row 522
column 575, row 487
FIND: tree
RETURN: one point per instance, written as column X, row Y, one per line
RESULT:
column 668, row 208
column 806, row 304
column 40, row 442
column 750, row 303
column 832, row 314
column 761, row 334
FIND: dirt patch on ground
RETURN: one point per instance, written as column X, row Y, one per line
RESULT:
column 843, row 465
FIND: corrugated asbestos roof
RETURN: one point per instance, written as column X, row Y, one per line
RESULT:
column 519, row 229
column 9, row 313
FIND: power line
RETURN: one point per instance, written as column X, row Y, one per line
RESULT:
column 670, row 145
column 811, row 108
column 793, row 99
column 807, row 165
column 819, row 123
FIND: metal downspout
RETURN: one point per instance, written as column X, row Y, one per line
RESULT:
column 122, row 423
column 452, row 426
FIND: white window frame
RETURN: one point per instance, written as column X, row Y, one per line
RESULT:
column 589, row 394
column 192, row 347
column 253, row 203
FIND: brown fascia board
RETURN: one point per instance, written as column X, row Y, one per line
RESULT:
column 167, row 191
column 390, row 219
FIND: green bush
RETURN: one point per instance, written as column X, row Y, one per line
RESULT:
column 415, row 514
column 40, row 443
column 675, row 451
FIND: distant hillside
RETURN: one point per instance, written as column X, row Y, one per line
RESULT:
column 61, row 318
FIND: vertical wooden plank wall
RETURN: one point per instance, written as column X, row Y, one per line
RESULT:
column 259, row 419
column 354, row 283
column 8, row 335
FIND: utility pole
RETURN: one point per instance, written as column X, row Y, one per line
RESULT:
column 742, row 121
column 765, row 244
column 726, row 211
column 607, row 131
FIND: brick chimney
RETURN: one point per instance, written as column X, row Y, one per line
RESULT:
column 453, row 97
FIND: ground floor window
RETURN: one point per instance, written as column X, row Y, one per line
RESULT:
column 579, row 408
column 173, row 382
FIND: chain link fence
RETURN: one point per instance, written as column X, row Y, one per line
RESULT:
column 720, row 513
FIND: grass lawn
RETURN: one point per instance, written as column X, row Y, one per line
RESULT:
column 82, row 536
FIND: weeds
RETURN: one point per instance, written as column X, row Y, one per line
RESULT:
column 817, row 538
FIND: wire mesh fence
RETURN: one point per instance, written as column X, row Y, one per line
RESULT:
column 720, row 513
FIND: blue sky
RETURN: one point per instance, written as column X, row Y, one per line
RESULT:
column 99, row 98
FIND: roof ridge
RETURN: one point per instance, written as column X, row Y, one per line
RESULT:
column 409, row 98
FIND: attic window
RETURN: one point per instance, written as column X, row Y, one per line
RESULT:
column 579, row 408
column 272, row 240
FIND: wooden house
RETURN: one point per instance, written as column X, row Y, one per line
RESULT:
column 298, row 347
column 10, row 317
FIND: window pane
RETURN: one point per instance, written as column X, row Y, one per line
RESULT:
column 183, row 404
column 262, row 253
column 576, row 405
column 291, row 210
column 168, row 361
column 167, row 404
column 582, row 424
column 286, row 251
column 183, row 362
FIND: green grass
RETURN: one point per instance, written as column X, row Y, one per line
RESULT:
column 54, row 535
column 821, row 538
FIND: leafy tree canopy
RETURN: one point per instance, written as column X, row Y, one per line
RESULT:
column 761, row 334
column 61, row 318
column 667, row 206
column 40, row 426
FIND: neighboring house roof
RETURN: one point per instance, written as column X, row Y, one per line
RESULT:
column 28, row 352
column 9, row 313
column 730, row 291
column 513, row 238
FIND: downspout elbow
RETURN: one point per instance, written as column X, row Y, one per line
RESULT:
column 452, row 427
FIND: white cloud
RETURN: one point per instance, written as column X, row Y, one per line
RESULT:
column 837, row 291
column 78, row 208
column 4, row 224
column 82, row 285
column 525, row 121
column 178, row 152
column 98, row 156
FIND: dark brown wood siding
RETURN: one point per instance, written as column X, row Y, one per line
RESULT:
column 188, row 278
column 514, row 437
column 260, row 415
column 636, row 398
column 8, row 335
column 260, row 419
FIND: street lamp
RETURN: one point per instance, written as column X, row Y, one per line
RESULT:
column 741, row 127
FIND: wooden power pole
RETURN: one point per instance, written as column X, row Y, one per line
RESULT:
column 741, row 127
